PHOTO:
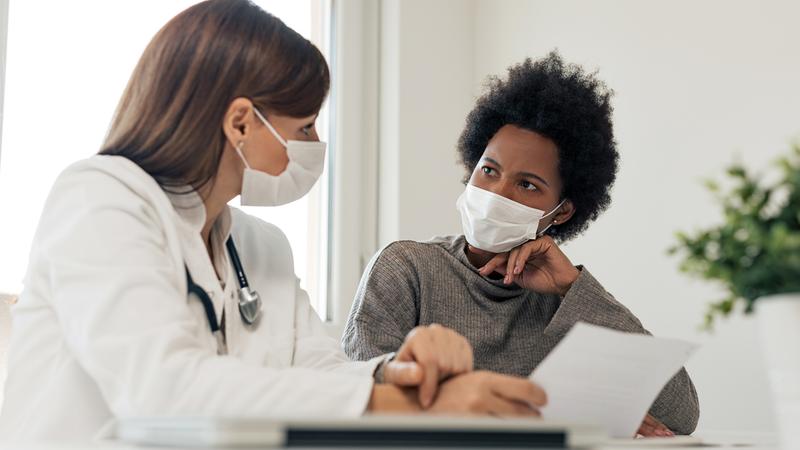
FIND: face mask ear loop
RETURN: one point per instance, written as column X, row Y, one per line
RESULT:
column 270, row 127
column 241, row 155
column 541, row 233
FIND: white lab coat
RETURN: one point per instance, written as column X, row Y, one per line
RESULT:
column 105, row 328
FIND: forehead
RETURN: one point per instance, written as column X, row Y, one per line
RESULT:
column 520, row 150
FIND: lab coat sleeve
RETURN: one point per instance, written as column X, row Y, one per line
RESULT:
column 120, row 296
column 315, row 348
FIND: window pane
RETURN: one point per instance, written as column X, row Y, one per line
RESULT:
column 64, row 76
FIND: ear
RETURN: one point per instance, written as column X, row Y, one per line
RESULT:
column 238, row 121
column 565, row 213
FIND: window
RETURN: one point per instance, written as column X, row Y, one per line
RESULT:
column 65, row 72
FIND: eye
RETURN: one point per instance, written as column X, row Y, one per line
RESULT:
column 306, row 130
column 528, row 186
column 487, row 170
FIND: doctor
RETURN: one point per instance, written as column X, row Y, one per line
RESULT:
column 147, row 295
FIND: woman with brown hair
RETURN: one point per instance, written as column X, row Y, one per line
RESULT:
column 141, row 295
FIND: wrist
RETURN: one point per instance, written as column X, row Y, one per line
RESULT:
column 570, row 279
column 380, row 370
column 391, row 398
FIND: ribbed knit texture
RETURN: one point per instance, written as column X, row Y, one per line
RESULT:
column 511, row 329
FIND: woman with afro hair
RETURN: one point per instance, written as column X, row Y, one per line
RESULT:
column 540, row 158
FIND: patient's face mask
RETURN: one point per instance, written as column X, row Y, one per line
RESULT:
column 306, row 161
column 497, row 224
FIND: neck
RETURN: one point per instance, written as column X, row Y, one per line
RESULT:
column 223, row 188
column 477, row 257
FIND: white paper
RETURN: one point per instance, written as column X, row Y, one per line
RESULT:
column 609, row 378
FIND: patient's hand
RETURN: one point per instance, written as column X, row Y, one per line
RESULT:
column 652, row 427
column 484, row 392
column 535, row 265
column 429, row 355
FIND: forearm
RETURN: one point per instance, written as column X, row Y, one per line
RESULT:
column 587, row 301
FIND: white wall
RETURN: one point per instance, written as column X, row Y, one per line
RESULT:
column 697, row 83
column 425, row 93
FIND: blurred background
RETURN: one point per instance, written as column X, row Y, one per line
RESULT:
column 699, row 84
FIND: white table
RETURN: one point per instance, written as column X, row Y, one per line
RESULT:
column 739, row 443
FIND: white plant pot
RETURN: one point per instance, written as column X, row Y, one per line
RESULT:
column 778, row 318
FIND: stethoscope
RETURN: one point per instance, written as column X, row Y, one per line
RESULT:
column 249, row 300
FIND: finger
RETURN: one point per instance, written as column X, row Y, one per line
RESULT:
column 645, row 430
column 496, row 261
column 658, row 427
column 522, row 259
column 499, row 406
column 423, row 355
column 440, row 348
column 468, row 357
column 430, row 383
column 403, row 373
column 519, row 390
column 462, row 351
column 512, row 260
column 652, row 427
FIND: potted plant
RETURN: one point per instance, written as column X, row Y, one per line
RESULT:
column 755, row 254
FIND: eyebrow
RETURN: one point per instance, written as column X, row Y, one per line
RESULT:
column 524, row 174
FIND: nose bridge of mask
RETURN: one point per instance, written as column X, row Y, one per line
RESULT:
column 270, row 127
column 306, row 154
column 504, row 209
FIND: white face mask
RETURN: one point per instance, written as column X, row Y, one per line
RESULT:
column 496, row 224
column 306, row 161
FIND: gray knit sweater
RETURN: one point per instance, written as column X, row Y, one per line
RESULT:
column 511, row 329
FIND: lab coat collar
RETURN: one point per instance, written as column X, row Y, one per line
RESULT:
column 191, row 211
column 190, row 208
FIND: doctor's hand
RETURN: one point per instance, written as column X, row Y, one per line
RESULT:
column 428, row 355
column 484, row 392
column 535, row 265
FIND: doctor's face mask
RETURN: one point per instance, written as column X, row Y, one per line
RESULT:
column 306, row 161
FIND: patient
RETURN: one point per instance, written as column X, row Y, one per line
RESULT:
column 540, row 157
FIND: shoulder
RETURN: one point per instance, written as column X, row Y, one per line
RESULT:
column 102, row 207
column 411, row 252
column 107, row 180
column 96, row 187
column 410, row 258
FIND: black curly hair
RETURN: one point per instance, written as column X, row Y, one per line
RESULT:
column 565, row 104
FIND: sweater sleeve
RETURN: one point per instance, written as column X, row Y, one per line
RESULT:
column 385, row 308
column 677, row 405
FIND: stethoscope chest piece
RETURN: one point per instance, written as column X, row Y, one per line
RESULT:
column 249, row 305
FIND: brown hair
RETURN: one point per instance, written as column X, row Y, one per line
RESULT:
column 169, row 120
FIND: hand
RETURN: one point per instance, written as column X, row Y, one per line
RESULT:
column 535, row 265
column 489, row 393
column 651, row 427
column 429, row 355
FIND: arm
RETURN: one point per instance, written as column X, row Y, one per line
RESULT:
column 385, row 308
column 119, row 293
column 677, row 405
column 314, row 348
column 541, row 266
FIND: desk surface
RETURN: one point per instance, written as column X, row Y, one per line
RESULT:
column 118, row 446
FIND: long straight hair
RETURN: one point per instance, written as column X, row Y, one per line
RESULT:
column 169, row 120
